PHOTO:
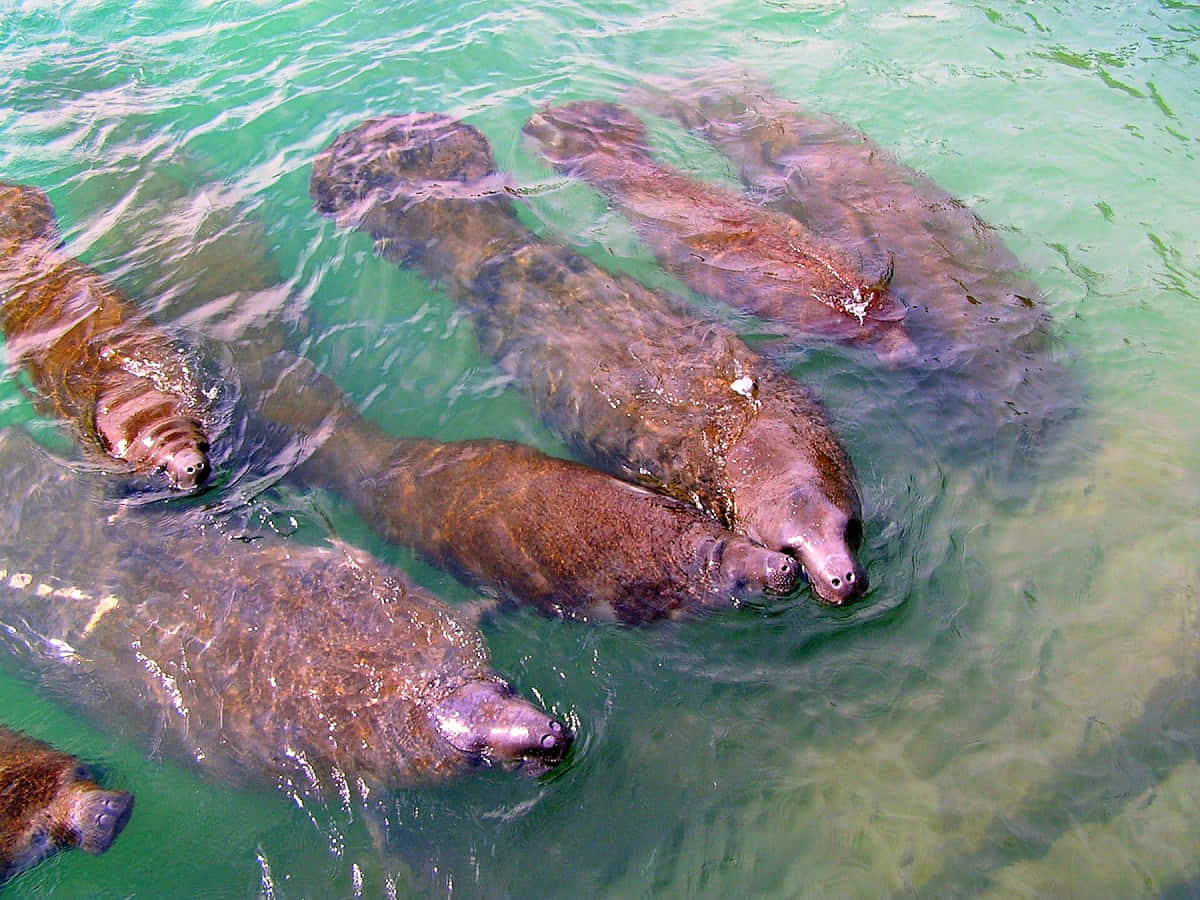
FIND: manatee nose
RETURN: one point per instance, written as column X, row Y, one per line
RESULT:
column 485, row 717
column 100, row 816
column 782, row 573
column 543, row 738
column 749, row 568
column 187, row 468
column 838, row 580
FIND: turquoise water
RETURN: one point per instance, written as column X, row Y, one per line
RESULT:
column 1007, row 712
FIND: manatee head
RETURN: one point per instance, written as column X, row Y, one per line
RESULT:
column 146, row 428
column 737, row 567
column 486, row 721
column 25, row 215
column 569, row 135
column 795, row 492
column 70, row 811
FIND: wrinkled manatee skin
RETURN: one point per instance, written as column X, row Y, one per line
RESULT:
column 129, row 391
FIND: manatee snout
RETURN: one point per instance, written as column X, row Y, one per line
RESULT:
column 187, row 468
column 746, row 568
column 98, row 816
column 820, row 533
column 836, row 576
column 485, row 719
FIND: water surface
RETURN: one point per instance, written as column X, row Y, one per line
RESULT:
column 1007, row 712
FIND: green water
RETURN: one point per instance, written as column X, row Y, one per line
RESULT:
column 1017, row 628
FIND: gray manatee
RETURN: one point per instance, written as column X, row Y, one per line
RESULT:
column 256, row 660
column 963, row 286
column 49, row 802
column 637, row 385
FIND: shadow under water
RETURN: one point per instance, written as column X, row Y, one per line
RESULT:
column 1109, row 771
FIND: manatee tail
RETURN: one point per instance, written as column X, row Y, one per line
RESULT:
column 568, row 135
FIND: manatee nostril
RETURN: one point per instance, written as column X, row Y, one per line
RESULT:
column 835, row 581
column 782, row 572
column 849, row 579
column 556, row 742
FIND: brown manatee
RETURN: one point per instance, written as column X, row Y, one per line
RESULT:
column 720, row 243
column 49, row 802
column 262, row 659
column 996, row 370
column 951, row 268
column 128, row 389
column 635, row 383
column 527, row 527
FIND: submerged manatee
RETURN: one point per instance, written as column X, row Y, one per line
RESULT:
column 49, row 802
column 636, row 384
column 718, row 242
column 531, row 528
column 254, row 660
column 93, row 359
column 963, row 285
column 972, row 309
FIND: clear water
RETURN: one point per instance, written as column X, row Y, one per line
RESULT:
column 1010, row 711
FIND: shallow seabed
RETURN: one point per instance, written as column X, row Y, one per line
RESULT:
column 1011, row 710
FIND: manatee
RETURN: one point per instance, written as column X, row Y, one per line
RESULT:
column 530, row 528
column 720, row 243
column 134, row 397
column 996, row 369
column 49, row 802
column 636, row 384
column 256, row 660
column 950, row 266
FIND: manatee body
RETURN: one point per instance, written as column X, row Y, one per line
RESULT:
column 638, row 386
column 94, row 361
column 718, row 242
column 49, row 802
column 261, row 659
column 566, row 538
